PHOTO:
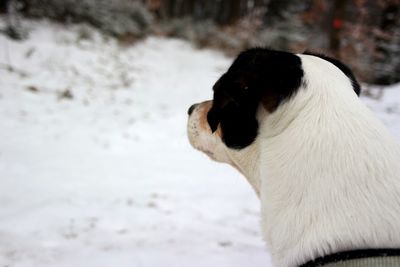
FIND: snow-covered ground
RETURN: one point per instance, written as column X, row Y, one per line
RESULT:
column 95, row 167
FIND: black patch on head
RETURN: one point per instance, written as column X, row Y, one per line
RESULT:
column 345, row 69
column 256, row 76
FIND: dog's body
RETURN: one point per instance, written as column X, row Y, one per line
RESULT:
column 326, row 170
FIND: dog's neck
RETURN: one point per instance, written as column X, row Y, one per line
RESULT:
column 247, row 162
column 329, row 179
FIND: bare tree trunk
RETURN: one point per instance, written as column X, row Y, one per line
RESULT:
column 3, row 6
column 228, row 11
column 338, row 16
column 188, row 7
column 168, row 8
column 235, row 11
column 275, row 10
column 260, row 3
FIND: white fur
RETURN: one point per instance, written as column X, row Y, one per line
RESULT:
column 326, row 170
column 329, row 170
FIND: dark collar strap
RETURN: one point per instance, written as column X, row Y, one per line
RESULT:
column 351, row 255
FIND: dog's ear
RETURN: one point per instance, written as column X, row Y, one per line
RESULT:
column 234, row 110
column 213, row 119
column 237, row 119
column 239, row 126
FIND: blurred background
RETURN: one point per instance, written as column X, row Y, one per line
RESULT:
column 95, row 166
column 365, row 30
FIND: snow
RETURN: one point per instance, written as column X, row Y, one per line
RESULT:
column 106, row 177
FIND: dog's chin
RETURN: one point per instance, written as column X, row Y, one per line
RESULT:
column 209, row 153
column 208, row 144
column 194, row 141
column 219, row 157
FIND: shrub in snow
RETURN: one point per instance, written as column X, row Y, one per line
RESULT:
column 115, row 17
column 14, row 28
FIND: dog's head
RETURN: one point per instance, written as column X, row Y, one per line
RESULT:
column 257, row 83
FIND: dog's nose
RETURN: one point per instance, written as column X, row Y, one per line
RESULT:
column 192, row 107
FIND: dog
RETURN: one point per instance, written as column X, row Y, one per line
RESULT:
column 326, row 170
